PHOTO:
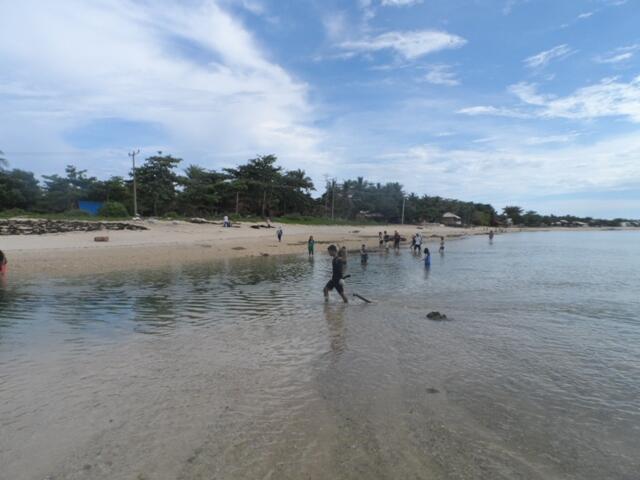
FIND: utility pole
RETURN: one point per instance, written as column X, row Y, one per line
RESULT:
column 333, row 197
column 135, row 187
column 237, row 202
column 403, row 200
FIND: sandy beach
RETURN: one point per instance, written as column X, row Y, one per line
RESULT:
column 168, row 243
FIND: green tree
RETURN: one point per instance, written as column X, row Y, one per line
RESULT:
column 514, row 213
column 63, row 193
column 261, row 176
column 18, row 189
column 203, row 190
column 294, row 194
column 157, row 180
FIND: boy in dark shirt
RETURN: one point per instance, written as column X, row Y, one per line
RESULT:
column 336, row 281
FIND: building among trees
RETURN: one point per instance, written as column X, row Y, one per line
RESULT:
column 451, row 219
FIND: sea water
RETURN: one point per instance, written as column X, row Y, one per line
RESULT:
column 239, row 370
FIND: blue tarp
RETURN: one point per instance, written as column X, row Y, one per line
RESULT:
column 91, row 207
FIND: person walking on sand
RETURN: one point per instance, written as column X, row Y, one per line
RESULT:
column 225, row 222
column 311, row 245
column 441, row 250
column 396, row 241
column 337, row 269
column 279, row 233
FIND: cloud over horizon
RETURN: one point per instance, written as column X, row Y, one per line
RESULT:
column 466, row 103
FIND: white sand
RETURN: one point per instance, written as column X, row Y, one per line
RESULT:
column 167, row 243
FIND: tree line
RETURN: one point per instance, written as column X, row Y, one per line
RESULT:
column 258, row 187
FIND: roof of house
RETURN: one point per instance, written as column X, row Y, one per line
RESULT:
column 450, row 215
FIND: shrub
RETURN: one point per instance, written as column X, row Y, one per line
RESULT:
column 113, row 209
column 76, row 212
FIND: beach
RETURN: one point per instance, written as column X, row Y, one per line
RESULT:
column 167, row 243
column 239, row 369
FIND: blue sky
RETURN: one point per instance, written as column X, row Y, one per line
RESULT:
column 535, row 103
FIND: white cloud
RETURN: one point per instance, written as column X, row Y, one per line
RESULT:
column 399, row 3
column 569, row 137
column 608, row 98
column 441, row 75
column 490, row 110
column 411, row 44
column 195, row 70
column 335, row 24
column 584, row 15
column 540, row 60
column 619, row 55
column 501, row 169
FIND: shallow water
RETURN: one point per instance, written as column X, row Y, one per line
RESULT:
column 238, row 369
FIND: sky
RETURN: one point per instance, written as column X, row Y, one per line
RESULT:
column 528, row 102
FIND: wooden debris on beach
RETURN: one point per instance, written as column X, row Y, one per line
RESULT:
column 102, row 238
column 202, row 220
column 259, row 225
column 41, row 227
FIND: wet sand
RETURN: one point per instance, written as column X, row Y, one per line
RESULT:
column 167, row 243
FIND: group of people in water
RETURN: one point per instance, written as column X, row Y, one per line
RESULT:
column 385, row 241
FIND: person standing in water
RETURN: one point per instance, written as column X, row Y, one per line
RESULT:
column 364, row 255
column 3, row 264
column 396, row 241
column 343, row 255
column 337, row 270
column 441, row 250
column 279, row 233
column 380, row 240
column 386, row 240
column 490, row 235
column 311, row 245
column 427, row 258
column 418, row 246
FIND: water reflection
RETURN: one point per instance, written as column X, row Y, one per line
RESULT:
column 255, row 336
column 334, row 316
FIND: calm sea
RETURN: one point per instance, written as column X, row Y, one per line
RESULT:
column 238, row 369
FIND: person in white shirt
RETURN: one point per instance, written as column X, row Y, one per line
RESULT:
column 417, row 247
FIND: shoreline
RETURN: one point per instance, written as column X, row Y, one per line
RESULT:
column 168, row 243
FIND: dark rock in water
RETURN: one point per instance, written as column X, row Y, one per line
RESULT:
column 436, row 316
column 432, row 390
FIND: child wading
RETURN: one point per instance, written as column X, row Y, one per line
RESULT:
column 427, row 258
column 3, row 263
column 311, row 245
column 364, row 255
column 337, row 269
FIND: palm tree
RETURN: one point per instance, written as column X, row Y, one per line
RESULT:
column 3, row 161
